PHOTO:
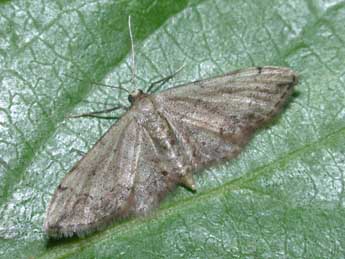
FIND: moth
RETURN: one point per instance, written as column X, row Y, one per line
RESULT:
column 161, row 142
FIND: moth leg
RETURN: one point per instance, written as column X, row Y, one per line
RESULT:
column 95, row 114
column 119, row 87
column 79, row 152
column 163, row 80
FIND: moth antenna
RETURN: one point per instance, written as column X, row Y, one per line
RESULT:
column 133, row 67
column 162, row 81
column 180, row 68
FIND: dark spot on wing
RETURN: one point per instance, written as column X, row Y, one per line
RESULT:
column 165, row 173
column 172, row 141
column 62, row 188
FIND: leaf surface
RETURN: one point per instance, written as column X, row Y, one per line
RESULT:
column 282, row 197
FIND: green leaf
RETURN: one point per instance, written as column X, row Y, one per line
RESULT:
column 282, row 197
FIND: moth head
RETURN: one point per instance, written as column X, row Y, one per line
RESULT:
column 135, row 95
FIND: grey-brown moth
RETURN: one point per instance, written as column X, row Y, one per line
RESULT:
column 161, row 141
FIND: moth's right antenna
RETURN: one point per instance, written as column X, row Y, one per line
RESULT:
column 133, row 68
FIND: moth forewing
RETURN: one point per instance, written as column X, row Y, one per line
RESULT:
column 161, row 142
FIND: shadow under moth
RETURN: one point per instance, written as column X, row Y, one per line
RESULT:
column 161, row 141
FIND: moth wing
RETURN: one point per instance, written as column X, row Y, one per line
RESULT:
column 112, row 181
column 215, row 118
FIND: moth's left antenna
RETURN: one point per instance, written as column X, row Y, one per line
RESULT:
column 133, row 68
